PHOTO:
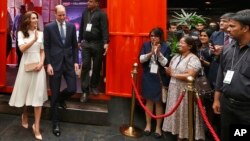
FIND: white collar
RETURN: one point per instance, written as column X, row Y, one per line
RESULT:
column 63, row 23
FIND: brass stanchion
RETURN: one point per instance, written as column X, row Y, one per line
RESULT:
column 191, row 123
column 130, row 130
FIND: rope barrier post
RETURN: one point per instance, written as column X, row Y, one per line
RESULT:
column 130, row 130
column 191, row 123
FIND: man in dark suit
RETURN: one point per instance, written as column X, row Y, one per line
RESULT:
column 60, row 46
column 219, row 39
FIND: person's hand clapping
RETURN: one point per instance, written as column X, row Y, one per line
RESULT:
column 156, row 48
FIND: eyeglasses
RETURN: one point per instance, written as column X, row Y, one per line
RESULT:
column 154, row 36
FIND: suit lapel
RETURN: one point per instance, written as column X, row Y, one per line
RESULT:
column 57, row 31
column 221, row 38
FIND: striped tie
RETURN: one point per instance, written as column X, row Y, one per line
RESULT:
column 226, row 40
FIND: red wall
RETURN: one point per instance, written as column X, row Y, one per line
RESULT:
column 3, row 23
column 129, row 23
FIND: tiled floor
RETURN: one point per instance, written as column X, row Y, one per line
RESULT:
column 119, row 109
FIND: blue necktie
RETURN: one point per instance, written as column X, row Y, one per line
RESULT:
column 62, row 33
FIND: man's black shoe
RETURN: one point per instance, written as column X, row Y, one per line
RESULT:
column 84, row 97
column 63, row 105
column 56, row 130
column 95, row 91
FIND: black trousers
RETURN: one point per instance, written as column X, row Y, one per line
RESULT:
column 212, row 117
column 233, row 112
column 91, row 51
column 57, row 96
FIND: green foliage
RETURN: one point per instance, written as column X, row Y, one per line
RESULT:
column 189, row 19
column 173, row 43
column 174, row 46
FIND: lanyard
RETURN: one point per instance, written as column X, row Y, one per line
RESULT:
column 180, row 59
column 90, row 18
column 232, row 66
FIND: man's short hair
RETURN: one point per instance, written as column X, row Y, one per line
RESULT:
column 172, row 24
column 226, row 16
column 242, row 16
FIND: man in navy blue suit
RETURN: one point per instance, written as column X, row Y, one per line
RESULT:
column 220, row 39
column 60, row 46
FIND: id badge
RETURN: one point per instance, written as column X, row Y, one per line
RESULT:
column 88, row 27
column 229, row 76
column 153, row 68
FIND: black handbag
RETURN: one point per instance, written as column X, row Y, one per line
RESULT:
column 202, row 85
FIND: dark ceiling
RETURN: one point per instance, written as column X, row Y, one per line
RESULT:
column 240, row 4
column 213, row 10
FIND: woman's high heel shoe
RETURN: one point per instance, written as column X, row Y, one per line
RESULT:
column 25, row 125
column 37, row 136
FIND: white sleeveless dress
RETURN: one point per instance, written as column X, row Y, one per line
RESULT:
column 30, row 88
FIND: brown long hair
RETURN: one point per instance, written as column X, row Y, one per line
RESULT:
column 25, row 23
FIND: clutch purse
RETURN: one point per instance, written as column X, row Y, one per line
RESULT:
column 30, row 66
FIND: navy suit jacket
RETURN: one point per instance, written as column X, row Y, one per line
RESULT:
column 56, row 53
column 218, row 38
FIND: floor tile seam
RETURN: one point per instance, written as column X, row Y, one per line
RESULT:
column 102, row 133
column 7, row 127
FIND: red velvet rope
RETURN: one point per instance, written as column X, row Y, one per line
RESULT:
column 216, row 138
column 149, row 112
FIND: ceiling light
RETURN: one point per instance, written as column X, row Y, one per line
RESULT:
column 208, row 2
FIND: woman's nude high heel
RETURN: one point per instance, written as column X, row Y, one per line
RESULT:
column 25, row 125
column 37, row 136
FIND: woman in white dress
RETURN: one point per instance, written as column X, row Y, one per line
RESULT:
column 30, row 88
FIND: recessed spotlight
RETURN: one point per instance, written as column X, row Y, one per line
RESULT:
column 207, row 2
